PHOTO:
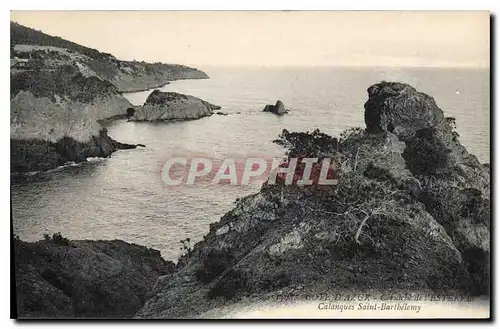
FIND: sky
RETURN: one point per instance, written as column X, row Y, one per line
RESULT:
column 279, row 38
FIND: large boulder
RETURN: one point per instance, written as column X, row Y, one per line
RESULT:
column 166, row 106
column 61, row 278
column 399, row 108
column 278, row 108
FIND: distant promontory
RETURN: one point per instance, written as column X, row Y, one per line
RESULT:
column 61, row 92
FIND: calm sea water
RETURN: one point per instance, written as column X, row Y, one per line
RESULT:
column 123, row 197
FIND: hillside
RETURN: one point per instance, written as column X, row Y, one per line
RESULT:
column 31, row 50
column 61, row 90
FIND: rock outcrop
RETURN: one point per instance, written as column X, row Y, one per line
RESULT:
column 278, row 108
column 63, row 93
column 30, row 155
column 391, row 223
column 400, row 109
column 165, row 106
column 455, row 186
column 57, row 278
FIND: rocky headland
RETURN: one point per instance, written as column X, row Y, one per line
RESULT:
column 62, row 94
column 54, row 118
column 170, row 106
column 58, row 278
column 410, row 212
column 32, row 49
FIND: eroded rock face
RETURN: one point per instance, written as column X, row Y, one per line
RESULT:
column 164, row 106
column 32, row 50
column 453, row 185
column 390, row 223
column 30, row 155
column 51, row 105
column 110, row 279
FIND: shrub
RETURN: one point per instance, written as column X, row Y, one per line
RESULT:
column 350, row 138
column 56, row 238
column 307, row 144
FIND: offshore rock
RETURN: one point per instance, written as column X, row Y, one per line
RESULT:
column 166, row 106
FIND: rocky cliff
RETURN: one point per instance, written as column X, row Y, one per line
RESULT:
column 54, row 118
column 60, row 91
column 410, row 212
column 164, row 106
column 58, row 278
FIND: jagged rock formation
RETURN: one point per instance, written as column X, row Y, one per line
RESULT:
column 278, row 108
column 30, row 155
column 411, row 212
column 31, row 49
column 161, row 106
column 57, row 278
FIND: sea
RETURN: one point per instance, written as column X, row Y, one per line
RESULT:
column 124, row 196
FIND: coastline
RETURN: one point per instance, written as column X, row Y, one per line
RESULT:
column 161, row 85
column 63, row 95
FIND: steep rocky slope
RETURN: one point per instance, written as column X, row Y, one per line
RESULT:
column 164, row 106
column 54, row 118
column 57, row 278
column 410, row 212
column 60, row 91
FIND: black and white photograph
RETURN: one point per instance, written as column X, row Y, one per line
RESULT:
column 250, row 164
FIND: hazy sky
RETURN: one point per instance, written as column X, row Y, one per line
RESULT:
column 276, row 38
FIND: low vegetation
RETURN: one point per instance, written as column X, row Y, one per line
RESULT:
column 56, row 238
